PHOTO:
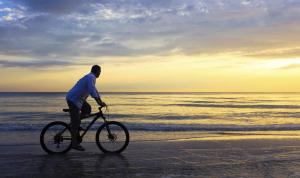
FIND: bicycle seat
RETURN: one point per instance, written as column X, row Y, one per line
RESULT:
column 66, row 110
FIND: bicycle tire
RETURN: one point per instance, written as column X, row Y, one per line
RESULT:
column 44, row 131
column 101, row 130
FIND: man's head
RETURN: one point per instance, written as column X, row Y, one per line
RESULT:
column 96, row 70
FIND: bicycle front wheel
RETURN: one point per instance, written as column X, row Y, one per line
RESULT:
column 56, row 138
column 112, row 137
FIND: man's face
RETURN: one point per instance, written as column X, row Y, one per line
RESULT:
column 97, row 74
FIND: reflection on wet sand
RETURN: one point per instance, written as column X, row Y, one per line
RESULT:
column 215, row 158
column 68, row 165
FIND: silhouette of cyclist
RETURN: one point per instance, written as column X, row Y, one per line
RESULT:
column 76, row 99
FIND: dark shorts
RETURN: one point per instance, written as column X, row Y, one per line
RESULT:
column 85, row 110
column 76, row 114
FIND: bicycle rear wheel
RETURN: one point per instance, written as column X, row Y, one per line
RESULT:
column 116, row 141
column 56, row 137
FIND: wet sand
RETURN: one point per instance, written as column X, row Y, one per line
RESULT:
column 185, row 158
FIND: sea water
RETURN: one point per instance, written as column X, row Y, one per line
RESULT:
column 161, row 112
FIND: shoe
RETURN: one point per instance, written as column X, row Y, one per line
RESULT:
column 78, row 147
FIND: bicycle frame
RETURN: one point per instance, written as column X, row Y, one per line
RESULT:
column 97, row 115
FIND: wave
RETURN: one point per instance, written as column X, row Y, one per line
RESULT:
column 48, row 116
column 258, row 106
column 264, row 115
column 161, row 127
column 30, row 116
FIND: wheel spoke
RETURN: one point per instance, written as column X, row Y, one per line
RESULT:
column 115, row 142
column 56, row 138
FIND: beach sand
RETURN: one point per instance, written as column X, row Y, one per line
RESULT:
column 175, row 158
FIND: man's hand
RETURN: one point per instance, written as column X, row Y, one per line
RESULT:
column 103, row 104
column 100, row 102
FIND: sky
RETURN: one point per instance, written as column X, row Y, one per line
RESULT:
column 151, row 45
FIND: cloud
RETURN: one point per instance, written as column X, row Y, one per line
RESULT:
column 291, row 66
column 276, row 53
column 11, row 14
column 53, row 6
column 33, row 64
column 68, row 29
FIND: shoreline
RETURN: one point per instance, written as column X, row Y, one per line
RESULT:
column 30, row 138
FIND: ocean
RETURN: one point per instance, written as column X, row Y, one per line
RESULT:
column 161, row 112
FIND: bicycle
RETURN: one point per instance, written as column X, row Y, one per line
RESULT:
column 111, row 136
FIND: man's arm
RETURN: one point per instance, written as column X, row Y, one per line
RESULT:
column 100, row 102
column 94, row 93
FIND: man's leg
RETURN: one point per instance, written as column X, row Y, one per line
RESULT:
column 86, row 109
column 75, row 122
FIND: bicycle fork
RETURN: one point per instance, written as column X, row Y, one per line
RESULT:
column 110, row 135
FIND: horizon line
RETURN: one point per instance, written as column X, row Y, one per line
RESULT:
column 154, row 92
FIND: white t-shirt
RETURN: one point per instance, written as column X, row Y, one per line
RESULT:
column 82, row 89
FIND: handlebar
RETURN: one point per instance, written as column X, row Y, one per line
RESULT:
column 107, row 111
column 100, row 108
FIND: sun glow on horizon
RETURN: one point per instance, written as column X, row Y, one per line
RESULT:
column 178, row 73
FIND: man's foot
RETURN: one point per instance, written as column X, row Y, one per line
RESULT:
column 78, row 147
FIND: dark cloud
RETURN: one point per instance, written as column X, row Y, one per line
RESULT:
column 52, row 6
column 65, row 29
column 33, row 64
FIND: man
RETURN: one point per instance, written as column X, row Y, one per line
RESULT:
column 76, row 99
